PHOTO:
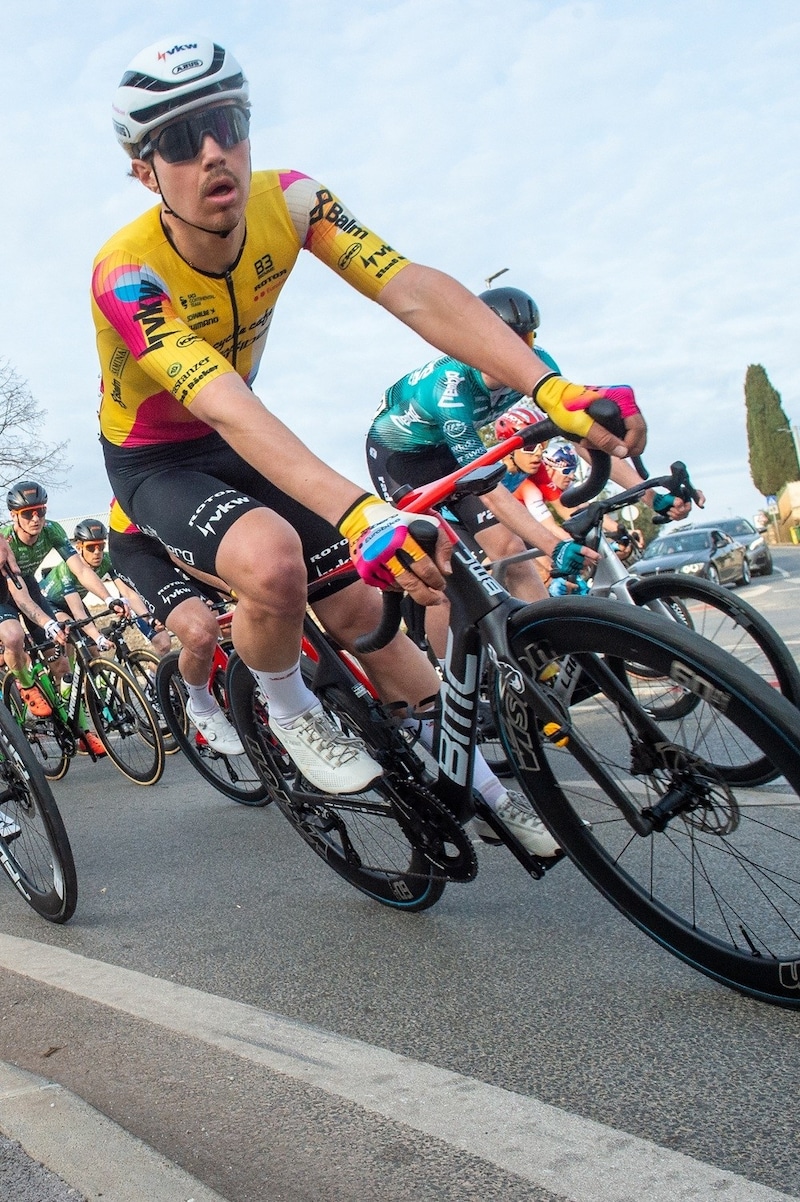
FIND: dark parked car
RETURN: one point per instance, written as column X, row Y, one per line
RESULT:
column 759, row 555
column 710, row 553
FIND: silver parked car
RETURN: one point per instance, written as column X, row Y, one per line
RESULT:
column 759, row 555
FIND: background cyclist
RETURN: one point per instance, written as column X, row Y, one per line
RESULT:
column 32, row 537
column 66, row 592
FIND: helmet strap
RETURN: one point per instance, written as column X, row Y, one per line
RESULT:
column 169, row 210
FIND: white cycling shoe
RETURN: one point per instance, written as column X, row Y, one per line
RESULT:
column 515, row 813
column 328, row 759
column 216, row 730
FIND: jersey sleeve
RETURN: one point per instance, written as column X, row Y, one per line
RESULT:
column 60, row 583
column 137, row 305
column 330, row 231
column 59, row 541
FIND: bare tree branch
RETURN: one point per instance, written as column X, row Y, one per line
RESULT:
column 23, row 452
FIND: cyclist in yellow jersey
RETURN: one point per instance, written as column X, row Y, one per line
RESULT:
column 182, row 301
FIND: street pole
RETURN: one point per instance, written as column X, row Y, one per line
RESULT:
column 502, row 271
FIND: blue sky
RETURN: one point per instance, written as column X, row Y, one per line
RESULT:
column 634, row 166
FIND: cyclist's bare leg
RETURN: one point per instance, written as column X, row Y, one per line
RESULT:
column 197, row 630
column 400, row 671
column 522, row 579
column 13, row 639
column 260, row 558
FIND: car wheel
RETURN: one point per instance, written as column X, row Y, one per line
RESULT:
column 767, row 568
column 746, row 575
column 712, row 574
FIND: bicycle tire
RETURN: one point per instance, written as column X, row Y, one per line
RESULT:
column 45, row 736
column 357, row 836
column 124, row 721
column 721, row 617
column 35, row 851
column 716, row 880
column 143, row 666
column 235, row 776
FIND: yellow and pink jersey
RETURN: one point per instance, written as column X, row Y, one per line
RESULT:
column 165, row 329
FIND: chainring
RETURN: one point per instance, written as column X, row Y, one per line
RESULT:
column 433, row 829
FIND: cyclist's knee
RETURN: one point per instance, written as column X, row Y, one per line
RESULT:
column 12, row 638
column 261, row 558
column 195, row 626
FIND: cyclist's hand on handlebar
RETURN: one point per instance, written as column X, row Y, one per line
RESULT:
column 566, row 403
column 56, row 632
column 569, row 556
column 676, row 508
column 120, row 606
column 387, row 556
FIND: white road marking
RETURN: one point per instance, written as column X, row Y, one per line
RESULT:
column 575, row 1158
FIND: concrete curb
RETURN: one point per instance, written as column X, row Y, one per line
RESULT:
column 87, row 1150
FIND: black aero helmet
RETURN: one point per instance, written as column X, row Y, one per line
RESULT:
column 514, row 307
column 25, row 494
column 90, row 531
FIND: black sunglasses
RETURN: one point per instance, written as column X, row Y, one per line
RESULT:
column 228, row 125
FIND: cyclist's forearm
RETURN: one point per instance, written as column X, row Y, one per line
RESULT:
column 515, row 517
column 89, row 578
column 228, row 405
column 449, row 317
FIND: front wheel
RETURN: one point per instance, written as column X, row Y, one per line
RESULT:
column 708, row 869
column 721, row 617
column 143, row 666
column 35, row 852
column 124, row 721
column 747, row 575
column 52, row 745
column 235, row 776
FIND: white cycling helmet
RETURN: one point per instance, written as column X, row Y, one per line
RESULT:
column 169, row 78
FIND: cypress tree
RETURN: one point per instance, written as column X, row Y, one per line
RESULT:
column 773, row 458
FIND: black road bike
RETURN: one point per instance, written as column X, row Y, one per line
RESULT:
column 647, row 807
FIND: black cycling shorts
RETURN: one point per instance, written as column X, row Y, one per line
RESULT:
column 390, row 470
column 187, row 496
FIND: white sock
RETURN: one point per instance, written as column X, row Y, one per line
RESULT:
column 202, row 701
column 484, row 780
column 286, row 693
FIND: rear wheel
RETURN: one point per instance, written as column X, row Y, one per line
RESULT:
column 124, row 721
column 52, row 745
column 361, row 837
column 708, row 869
column 233, row 775
column 722, row 618
column 35, row 852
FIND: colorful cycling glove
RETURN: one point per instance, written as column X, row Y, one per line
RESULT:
column 567, row 558
column 565, row 402
column 381, row 546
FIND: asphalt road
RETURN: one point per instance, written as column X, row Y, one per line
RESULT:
column 222, row 996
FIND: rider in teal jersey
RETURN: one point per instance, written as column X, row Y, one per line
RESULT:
column 427, row 426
